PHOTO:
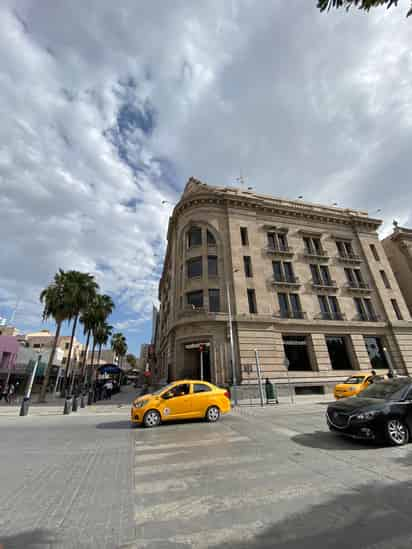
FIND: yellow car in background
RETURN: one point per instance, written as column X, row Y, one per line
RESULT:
column 353, row 385
column 184, row 399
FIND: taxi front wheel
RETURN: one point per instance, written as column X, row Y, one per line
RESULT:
column 151, row 418
column 212, row 414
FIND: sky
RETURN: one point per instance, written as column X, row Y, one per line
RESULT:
column 107, row 108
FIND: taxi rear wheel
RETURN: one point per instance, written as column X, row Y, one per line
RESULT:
column 212, row 414
column 151, row 418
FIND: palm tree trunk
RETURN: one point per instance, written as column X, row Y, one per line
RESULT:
column 42, row 396
column 83, row 371
column 99, row 354
column 70, row 351
column 92, row 361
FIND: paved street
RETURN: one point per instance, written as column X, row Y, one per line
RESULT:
column 259, row 478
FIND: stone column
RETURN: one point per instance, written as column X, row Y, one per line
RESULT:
column 320, row 353
column 360, row 352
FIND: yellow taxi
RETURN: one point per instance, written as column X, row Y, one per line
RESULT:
column 353, row 385
column 183, row 399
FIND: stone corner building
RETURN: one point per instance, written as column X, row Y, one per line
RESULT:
column 306, row 282
column 398, row 247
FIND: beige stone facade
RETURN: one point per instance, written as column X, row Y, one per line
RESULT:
column 304, row 283
column 398, row 248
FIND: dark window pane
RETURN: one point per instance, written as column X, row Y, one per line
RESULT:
column 290, row 277
column 385, row 279
column 195, row 299
column 317, row 245
column 338, row 353
column 247, row 262
column 375, row 352
column 283, row 305
column 297, row 353
column 308, row 245
column 396, row 309
column 325, row 274
column 315, row 274
column 334, row 306
column 210, row 238
column 252, row 301
column 349, row 276
column 283, row 243
column 360, row 308
column 374, row 252
column 201, row 388
column 194, row 237
column 272, row 243
column 323, row 304
column 295, row 303
column 214, row 301
column 341, row 249
column 348, row 248
column 194, row 267
column 277, row 270
column 358, row 277
column 369, row 308
column 244, row 236
column 212, row 265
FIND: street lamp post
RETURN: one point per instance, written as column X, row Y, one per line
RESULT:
column 232, row 347
column 24, row 409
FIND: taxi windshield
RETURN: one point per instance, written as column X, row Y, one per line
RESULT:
column 165, row 388
column 354, row 380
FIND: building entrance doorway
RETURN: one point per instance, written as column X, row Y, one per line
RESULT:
column 197, row 361
column 296, row 351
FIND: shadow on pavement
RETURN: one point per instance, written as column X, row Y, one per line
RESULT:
column 31, row 539
column 374, row 515
column 329, row 441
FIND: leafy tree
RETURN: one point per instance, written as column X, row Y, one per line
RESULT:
column 56, row 306
column 361, row 4
column 131, row 360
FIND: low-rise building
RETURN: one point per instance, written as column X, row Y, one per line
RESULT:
column 300, row 283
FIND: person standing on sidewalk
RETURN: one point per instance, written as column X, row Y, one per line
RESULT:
column 10, row 394
column 109, row 388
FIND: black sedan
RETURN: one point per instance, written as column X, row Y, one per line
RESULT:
column 382, row 412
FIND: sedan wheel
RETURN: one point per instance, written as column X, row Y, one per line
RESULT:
column 213, row 414
column 398, row 433
column 151, row 418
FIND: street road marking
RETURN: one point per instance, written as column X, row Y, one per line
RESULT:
column 142, row 458
column 194, row 444
column 190, row 507
column 207, row 462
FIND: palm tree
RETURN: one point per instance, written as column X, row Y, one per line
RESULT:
column 98, row 311
column 103, row 332
column 119, row 345
column 55, row 306
column 81, row 290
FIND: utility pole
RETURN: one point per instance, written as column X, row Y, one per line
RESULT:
column 232, row 347
column 24, row 409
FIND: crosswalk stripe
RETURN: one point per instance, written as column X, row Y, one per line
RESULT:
column 183, row 466
column 204, row 442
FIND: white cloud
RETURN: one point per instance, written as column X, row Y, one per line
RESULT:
column 106, row 109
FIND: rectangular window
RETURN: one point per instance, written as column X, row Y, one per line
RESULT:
column 289, row 275
column 370, row 310
column 283, row 243
column 214, row 301
column 211, row 241
column 374, row 252
column 277, row 271
column 324, row 271
column 324, row 308
column 308, row 245
column 212, row 265
column 348, row 249
column 67, row 345
column 195, row 299
column 194, row 267
column 277, row 241
column 385, row 280
column 396, row 309
column 317, row 245
column 251, row 297
column 314, row 269
column 272, row 243
column 334, row 307
column 358, row 278
column 194, row 237
column 360, row 308
column 376, row 353
column 340, row 247
column 247, row 263
column 350, row 277
column 283, row 305
column 244, row 236
column 295, row 305
column 338, row 353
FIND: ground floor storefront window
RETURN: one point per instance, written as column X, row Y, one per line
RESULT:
column 296, row 351
column 338, row 352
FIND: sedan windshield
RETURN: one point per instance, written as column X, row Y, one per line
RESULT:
column 386, row 390
column 162, row 389
column 354, row 380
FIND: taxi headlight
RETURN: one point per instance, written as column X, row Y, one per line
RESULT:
column 140, row 403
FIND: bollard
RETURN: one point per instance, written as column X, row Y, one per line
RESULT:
column 82, row 401
column 90, row 398
column 75, row 404
column 67, row 406
column 24, row 408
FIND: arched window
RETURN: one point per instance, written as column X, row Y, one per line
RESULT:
column 194, row 237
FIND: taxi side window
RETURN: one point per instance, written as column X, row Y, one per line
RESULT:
column 179, row 390
column 201, row 388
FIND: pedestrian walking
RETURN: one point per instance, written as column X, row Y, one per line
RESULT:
column 109, row 388
column 11, row 393
column 5, row 392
